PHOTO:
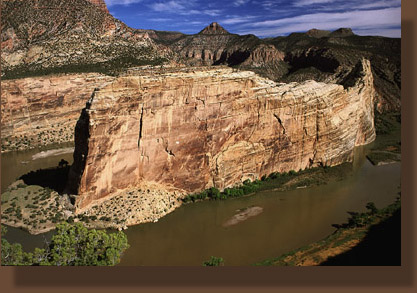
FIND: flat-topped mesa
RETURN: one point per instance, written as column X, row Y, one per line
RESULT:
column 217, row 127
column 214, row 29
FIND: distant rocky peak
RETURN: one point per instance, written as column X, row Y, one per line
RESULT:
column 342, row 32
column 214, row 29
column 100, row 4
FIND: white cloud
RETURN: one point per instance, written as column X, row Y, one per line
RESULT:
column 371, row 20
column 300, row 3
column 167, row 6
column 183, row 8
column 237, row 19
column 238, row 3
column 160, row 19
column 211, row 12
column 120, row 2
column 377, row 4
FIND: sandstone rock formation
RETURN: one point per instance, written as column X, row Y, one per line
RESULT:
column 43, row 110
column 192, row 129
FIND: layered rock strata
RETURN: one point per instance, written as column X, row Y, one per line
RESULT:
column 44, row 110
column 194, row 129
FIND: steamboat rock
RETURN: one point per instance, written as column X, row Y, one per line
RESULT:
column 192, row 129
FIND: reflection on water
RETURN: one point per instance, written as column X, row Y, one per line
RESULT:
column 194, row 232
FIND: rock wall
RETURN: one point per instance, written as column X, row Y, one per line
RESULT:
column 196, row 129
column 43, row 110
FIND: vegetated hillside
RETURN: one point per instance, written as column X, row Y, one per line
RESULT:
column 42, row 36
column 329, row 56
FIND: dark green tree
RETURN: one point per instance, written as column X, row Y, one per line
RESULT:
column 72, row 245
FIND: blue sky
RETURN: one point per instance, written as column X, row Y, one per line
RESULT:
column 263, row 18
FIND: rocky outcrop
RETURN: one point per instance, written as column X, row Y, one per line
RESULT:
column 214, row 29
column 192, row 129
column 43, row 110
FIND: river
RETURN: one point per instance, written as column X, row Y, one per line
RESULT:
column 194, row 232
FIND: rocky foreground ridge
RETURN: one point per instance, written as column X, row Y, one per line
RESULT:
column 190, row 129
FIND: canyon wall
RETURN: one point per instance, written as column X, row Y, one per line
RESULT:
column 43, row 110
column 193, row 129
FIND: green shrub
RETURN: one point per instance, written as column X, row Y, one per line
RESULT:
column 213, row 193
column 214, row 262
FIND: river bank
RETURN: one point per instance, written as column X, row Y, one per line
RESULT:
column 368, row 238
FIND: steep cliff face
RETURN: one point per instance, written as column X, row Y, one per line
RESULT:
column 43, row 110
column 193, row 129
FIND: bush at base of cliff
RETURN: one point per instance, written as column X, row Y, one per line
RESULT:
column 72, row 245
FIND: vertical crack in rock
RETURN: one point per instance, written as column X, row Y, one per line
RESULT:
column 280, row 122
column 169, row 152
column 140, row 127
column 316, row 139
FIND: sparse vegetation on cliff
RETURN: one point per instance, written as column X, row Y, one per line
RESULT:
column 112, row 67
